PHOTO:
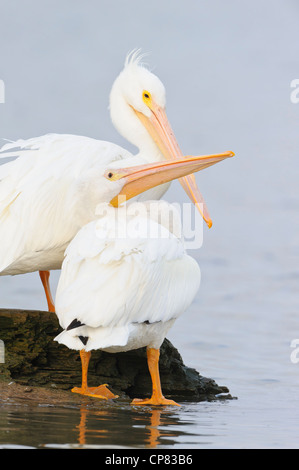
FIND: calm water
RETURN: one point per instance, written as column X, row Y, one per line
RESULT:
column 227, row 69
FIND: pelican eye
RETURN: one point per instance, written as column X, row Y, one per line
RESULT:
column 146, row 96
column 112, row 175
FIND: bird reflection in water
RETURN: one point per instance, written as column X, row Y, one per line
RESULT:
column 154, row 432
column 111, row 427
column 82, row 426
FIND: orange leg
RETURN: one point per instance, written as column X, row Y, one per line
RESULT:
column 98, row 392
column 157, row 397
column 44, row 275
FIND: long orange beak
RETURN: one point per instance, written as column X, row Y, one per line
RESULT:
column 140, row 178
column 161, row 132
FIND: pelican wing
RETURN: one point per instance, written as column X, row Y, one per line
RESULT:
column 39, row 192
column 112, row 283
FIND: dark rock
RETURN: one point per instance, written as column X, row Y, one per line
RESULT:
column 33, row 359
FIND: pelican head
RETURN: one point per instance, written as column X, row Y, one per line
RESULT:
column 137, row 108
column 130, row 98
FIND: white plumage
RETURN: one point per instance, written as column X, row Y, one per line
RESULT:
column 51, row 190
column 125, row 279
column 113, row 285
column 49, row 193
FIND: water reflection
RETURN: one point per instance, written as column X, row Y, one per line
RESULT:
column 146, row 428
column 123, row 426
column 127, row 427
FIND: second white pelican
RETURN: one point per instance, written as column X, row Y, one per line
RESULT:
column 122, row 289
column 120, row 293
column 52, row 189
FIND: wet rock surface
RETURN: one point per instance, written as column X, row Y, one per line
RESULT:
column 36, row 367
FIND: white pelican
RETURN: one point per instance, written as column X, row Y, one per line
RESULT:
column 126, row 276
column 51, row 190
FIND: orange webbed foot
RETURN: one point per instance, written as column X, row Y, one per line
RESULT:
column 161, row 401
column 101, row 392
